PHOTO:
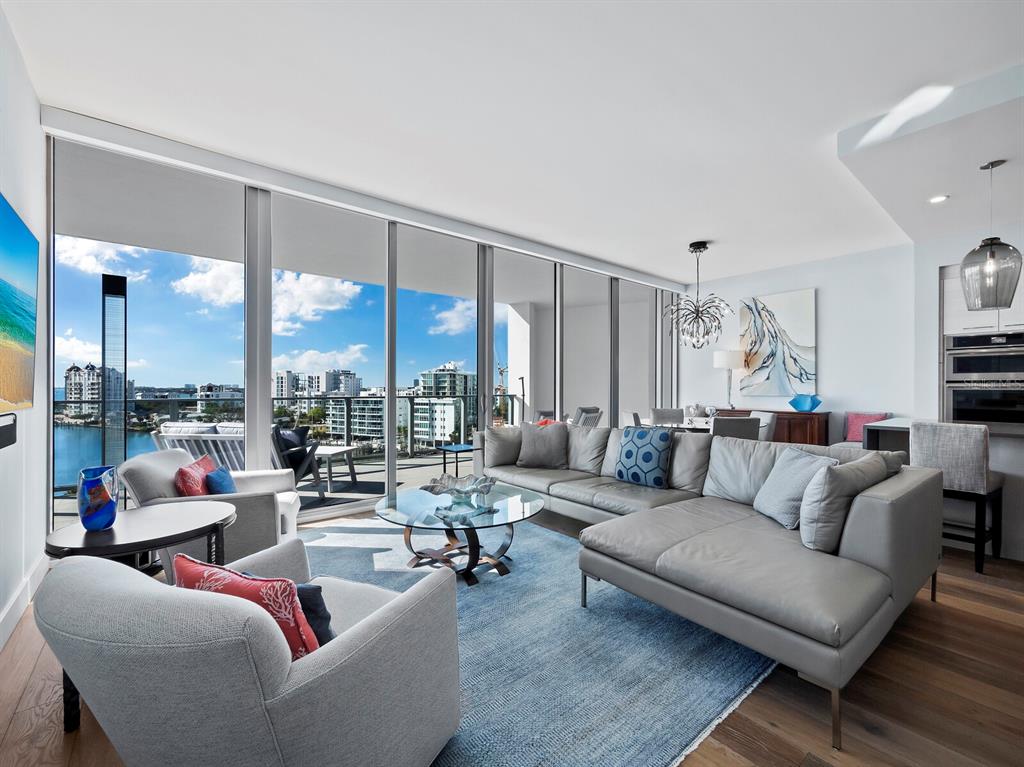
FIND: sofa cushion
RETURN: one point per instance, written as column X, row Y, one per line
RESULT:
column 611, row 453
column 538, row 480
column 781, row 494
column 894, row 459
column 502, row 445
column 689, row 465
column 191, row 480
column 626, row 498
column 579, row 490
column 586, row 448
column 219, row 481
column 544, row 447
column 644, row 455
column 738, row 467
column 777, row 579
column 827, row 500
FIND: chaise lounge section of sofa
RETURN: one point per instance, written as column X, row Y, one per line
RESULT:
column 698, row 547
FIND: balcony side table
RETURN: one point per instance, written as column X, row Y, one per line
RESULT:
column 136, row 531
column 455, row 450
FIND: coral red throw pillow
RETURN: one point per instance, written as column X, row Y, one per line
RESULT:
column 191, row 479
column 855, row 423
column 278, row 596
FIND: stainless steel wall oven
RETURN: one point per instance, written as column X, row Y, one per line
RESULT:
column 984, row 381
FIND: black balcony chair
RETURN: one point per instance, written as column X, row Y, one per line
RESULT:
column 297, row 452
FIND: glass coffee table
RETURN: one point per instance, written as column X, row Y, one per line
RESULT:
column 416, row 509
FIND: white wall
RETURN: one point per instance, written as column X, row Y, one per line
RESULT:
column 865, row 335
column 23, row 503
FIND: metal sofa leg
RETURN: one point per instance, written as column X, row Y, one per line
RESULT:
column 935, row 582
column 837, row 721
column 583, row 589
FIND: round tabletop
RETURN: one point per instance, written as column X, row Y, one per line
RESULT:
column 416, row 508
column 144, row 529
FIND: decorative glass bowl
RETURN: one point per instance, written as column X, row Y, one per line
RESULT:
column 461, row 489
column 805, row 403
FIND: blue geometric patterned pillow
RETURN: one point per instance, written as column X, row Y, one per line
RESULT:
column 644, row 455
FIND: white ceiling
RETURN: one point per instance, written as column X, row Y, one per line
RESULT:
column 619, row 130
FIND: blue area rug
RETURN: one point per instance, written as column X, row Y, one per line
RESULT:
column 546, row 682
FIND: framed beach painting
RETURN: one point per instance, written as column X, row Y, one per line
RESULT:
column 19, row 265
column 777, row 336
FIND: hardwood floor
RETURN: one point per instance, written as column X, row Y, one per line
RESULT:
column 946, row 688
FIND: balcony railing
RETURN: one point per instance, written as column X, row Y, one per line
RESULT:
column 333, row 420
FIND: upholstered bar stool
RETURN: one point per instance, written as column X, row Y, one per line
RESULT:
column 961, row 452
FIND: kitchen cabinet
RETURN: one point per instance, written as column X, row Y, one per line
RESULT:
column 957, row 320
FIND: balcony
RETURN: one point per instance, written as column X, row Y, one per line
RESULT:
column 333, row 420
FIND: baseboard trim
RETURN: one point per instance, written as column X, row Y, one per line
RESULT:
column 336, row 510
column 15, row 607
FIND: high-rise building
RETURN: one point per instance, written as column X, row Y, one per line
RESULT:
column 341, row 382
column 285, row 384
column 218, row 394
column 83, row 389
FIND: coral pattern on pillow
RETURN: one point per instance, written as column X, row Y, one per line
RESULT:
column 191, row 479
column 278, row 596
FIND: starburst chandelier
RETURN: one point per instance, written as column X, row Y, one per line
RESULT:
column 698, row 321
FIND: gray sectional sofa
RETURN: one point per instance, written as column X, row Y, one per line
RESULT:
column 698, row 547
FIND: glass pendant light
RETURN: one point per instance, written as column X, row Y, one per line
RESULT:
column 989, row 274
column 698, row 320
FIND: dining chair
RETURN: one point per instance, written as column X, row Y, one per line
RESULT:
column 587, row 417
column 660, row 415
column 743, row 428
column 766, row 421
column 629, row 419
column 961, row 451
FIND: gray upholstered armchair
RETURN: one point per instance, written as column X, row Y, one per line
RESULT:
column 266, row 503
column 193, row 677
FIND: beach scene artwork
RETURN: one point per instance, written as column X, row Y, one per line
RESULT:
column 19, row 264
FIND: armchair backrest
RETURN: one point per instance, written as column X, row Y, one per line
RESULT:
column 151, row 475
column 767, row 420
column 660, row 415
column 744, row 428
column 165, row 670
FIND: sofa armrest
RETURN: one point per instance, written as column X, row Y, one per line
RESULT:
column 264, row 481
column 285, row 560
column 478, row 452
column 403, row 660
column 257, row 526
column 896, row 528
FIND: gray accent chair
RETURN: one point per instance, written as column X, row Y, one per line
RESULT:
column 667, row 415
column 266, row 504
column 960, row 451
column 742, row 428
column 698, row 547
column 766, row 424
column 587, row 417
column 176, row 676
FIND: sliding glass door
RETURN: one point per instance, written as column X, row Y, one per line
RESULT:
column 586, row 348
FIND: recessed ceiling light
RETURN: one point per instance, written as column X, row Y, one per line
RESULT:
column 939, row 198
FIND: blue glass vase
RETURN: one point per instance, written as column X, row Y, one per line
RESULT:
column 98, row 492
column 805, row 403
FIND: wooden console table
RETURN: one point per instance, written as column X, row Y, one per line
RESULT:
column 791, row 426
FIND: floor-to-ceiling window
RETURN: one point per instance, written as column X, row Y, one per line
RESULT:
column 328, row 342
column 586, row 356
column 524, row 337
column 177, row 240
column 436, row 349
column 637, row 343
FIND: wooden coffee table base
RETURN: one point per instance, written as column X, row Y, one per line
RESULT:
column 470, row 548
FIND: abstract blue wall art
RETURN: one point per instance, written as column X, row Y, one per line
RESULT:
column 777, row 336
column 19, row 265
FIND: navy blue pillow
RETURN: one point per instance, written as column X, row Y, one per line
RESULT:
column 644, row 455
column 311, row 599
column 219, row 481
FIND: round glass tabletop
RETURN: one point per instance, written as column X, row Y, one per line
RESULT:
column 419, row 509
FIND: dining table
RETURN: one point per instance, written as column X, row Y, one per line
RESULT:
column 693, row 423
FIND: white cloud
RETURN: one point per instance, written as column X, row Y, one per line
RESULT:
column 94, row 257
column 312, row 360
column 139, row 363
column 204, row 312
column 221, row 283
column 500, row 314
column 300, row 298
column 459, row 319
column 71, row 349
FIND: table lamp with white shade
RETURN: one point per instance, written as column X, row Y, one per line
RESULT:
column 729, row 360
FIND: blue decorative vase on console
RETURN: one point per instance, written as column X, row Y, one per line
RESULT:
column 98, row 493
column 805, row 403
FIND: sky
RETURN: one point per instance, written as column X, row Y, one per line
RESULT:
column 185, row 319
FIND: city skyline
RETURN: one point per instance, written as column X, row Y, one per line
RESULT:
column 190, row 309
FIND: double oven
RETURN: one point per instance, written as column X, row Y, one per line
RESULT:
column 984, row 381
